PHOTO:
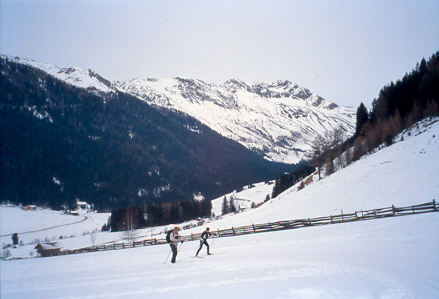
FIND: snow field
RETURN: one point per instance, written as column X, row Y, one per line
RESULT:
column 44, row 225
column 385, row 258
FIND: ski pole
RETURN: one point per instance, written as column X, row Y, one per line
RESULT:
column 213, row 240
column 167, row 257
column 179, row 247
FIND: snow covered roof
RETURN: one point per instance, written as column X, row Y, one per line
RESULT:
column 48, row 246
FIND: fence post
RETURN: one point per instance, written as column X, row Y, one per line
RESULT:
column 233, row 230
column 219, row 233
column 332, row 221
column 434, row 205
column 342, row 217
column 393, row 210
column 254, row 229
column 192, row 237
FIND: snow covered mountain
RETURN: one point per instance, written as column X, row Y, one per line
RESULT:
column 109, row 145
column 278, row 120
column 76, row 76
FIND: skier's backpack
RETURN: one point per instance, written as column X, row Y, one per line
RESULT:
column 168, row 236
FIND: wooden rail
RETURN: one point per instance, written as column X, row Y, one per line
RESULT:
column 275, row 226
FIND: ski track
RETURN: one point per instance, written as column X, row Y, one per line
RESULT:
column 310, row 263
column 48, row 228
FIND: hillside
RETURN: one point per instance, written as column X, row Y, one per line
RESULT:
column 393, row 257
column 278, row 120
column 403, row 174
column 63, row 142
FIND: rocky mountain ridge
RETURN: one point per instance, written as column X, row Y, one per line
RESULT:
column 277, row 120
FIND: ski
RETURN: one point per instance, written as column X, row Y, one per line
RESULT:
column 199, row 257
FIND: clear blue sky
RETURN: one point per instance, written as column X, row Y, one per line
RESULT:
column 345, row 51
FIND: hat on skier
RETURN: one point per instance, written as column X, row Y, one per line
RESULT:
column 176, row 228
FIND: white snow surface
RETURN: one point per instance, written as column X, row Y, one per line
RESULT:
column 385, row 258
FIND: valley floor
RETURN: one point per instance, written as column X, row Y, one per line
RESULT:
column 385, row 258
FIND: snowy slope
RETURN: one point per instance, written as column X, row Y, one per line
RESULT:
column 278, row 120
column 14, row 219
column 77, row 76
column 257, row 193
column 45, row 225
column 403, row 174
column 385, row 258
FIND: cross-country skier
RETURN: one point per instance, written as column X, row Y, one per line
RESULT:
column 203, row 240
column 173, row 238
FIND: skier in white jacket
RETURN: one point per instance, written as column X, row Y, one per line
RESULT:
column 173, row 238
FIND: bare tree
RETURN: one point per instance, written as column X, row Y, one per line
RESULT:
column 348, row 155
column 130, row 232
column 359, row 149
column 329, row 166
column 93, row 238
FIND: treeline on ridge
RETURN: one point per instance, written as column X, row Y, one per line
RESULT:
column 288, row 180
column 156, row 214
column 398, row 106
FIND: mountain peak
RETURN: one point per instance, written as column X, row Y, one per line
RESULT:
column 77, row 76
column 236, row 85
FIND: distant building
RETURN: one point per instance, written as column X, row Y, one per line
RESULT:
column 29, row 208
column 82, row 206
column 48, row 249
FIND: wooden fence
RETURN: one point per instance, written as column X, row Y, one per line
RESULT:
column 276, row 226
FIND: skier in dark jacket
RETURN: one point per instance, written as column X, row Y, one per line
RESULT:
column 173, row 238
column 203, row 240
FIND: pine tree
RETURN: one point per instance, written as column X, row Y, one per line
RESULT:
column 362, row 118
column 225, row 208
column 232, row 208
column 15, row 239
